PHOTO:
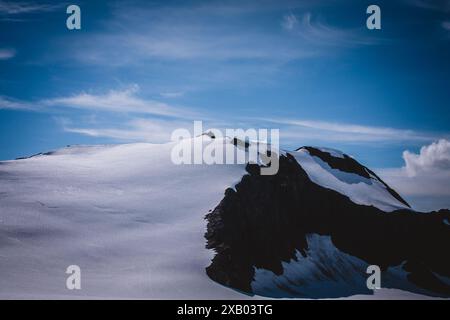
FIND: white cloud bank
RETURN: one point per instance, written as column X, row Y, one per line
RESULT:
column 432, row 159
column 425, row 178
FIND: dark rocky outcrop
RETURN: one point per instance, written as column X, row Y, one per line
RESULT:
column 266, row 219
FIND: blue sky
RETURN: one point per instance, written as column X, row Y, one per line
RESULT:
column 139, row 69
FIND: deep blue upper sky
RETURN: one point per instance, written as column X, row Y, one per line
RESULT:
column 138, row 69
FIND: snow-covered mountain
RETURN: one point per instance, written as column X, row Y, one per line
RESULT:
column 135, row 224
column 337, row 171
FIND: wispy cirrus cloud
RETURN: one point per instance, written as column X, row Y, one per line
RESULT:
column 345, row 132
column 126, row 101
column 316, row 31
column 442, row 6
column 20, row 7
column 141, row 119
column 186, row 42
column 289, row 21
column 446, row 26
column 438, row 5
column 121, row 101
column 7, row 53
column 14, row 104
column 134, row 130
column 212, row 32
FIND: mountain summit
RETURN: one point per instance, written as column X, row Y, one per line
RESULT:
column 314, row 228
column 135, row 224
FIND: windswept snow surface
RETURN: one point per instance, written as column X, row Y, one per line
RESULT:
column 126, row 215
column 360, row 190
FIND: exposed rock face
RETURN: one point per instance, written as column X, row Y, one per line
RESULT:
column 267, row 219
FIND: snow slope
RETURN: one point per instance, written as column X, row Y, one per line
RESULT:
column 131, row 219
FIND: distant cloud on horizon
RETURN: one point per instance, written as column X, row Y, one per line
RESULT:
column 432, row 159
column 425, row 175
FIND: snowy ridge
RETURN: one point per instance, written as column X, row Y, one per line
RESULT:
column 361, row 190
column 333, row 152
